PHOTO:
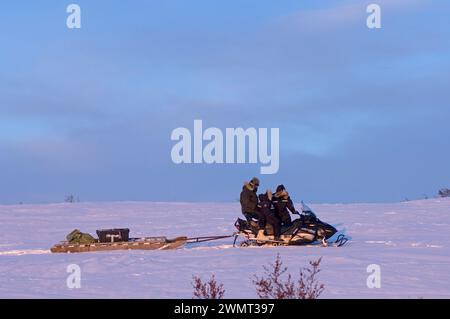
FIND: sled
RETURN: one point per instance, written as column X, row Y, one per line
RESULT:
column 146, row 243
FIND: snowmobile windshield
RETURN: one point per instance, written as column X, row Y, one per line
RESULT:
column 306, row 209
column 310, row 215
column 307, row 212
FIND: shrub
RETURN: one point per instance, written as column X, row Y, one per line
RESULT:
column 207, row 290
column 444, row 192
column 71, row 199
column 272, row 286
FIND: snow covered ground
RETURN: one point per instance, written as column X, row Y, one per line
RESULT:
column 410, row 241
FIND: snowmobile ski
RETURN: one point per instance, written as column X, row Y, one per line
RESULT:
column 341, row 240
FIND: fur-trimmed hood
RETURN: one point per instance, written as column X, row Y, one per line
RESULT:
column 249, row 186
column 282, row 193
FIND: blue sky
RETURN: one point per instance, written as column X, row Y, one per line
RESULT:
column 363, row 114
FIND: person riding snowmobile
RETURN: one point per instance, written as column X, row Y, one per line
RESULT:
column 265, row 208
column 283, row 204
column 249, row 203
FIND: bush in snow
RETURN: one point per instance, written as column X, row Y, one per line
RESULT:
column 71, row 199
column 445, row 192
column 208, row 290
column 272, row 286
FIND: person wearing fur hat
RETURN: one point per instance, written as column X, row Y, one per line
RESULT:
column 265, row 208
column 283, row 205
column 249, row 203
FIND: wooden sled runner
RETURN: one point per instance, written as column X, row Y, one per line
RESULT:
column 146, row 243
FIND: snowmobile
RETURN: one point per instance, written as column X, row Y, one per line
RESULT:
column 307, row 229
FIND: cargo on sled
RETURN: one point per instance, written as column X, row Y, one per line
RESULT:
column 114, row 239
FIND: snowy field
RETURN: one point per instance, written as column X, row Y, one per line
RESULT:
column 410, row 241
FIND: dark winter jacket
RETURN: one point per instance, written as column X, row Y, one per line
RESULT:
column 283, row 204
column 264, row 205
column 265, row 209
column 249, row 199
